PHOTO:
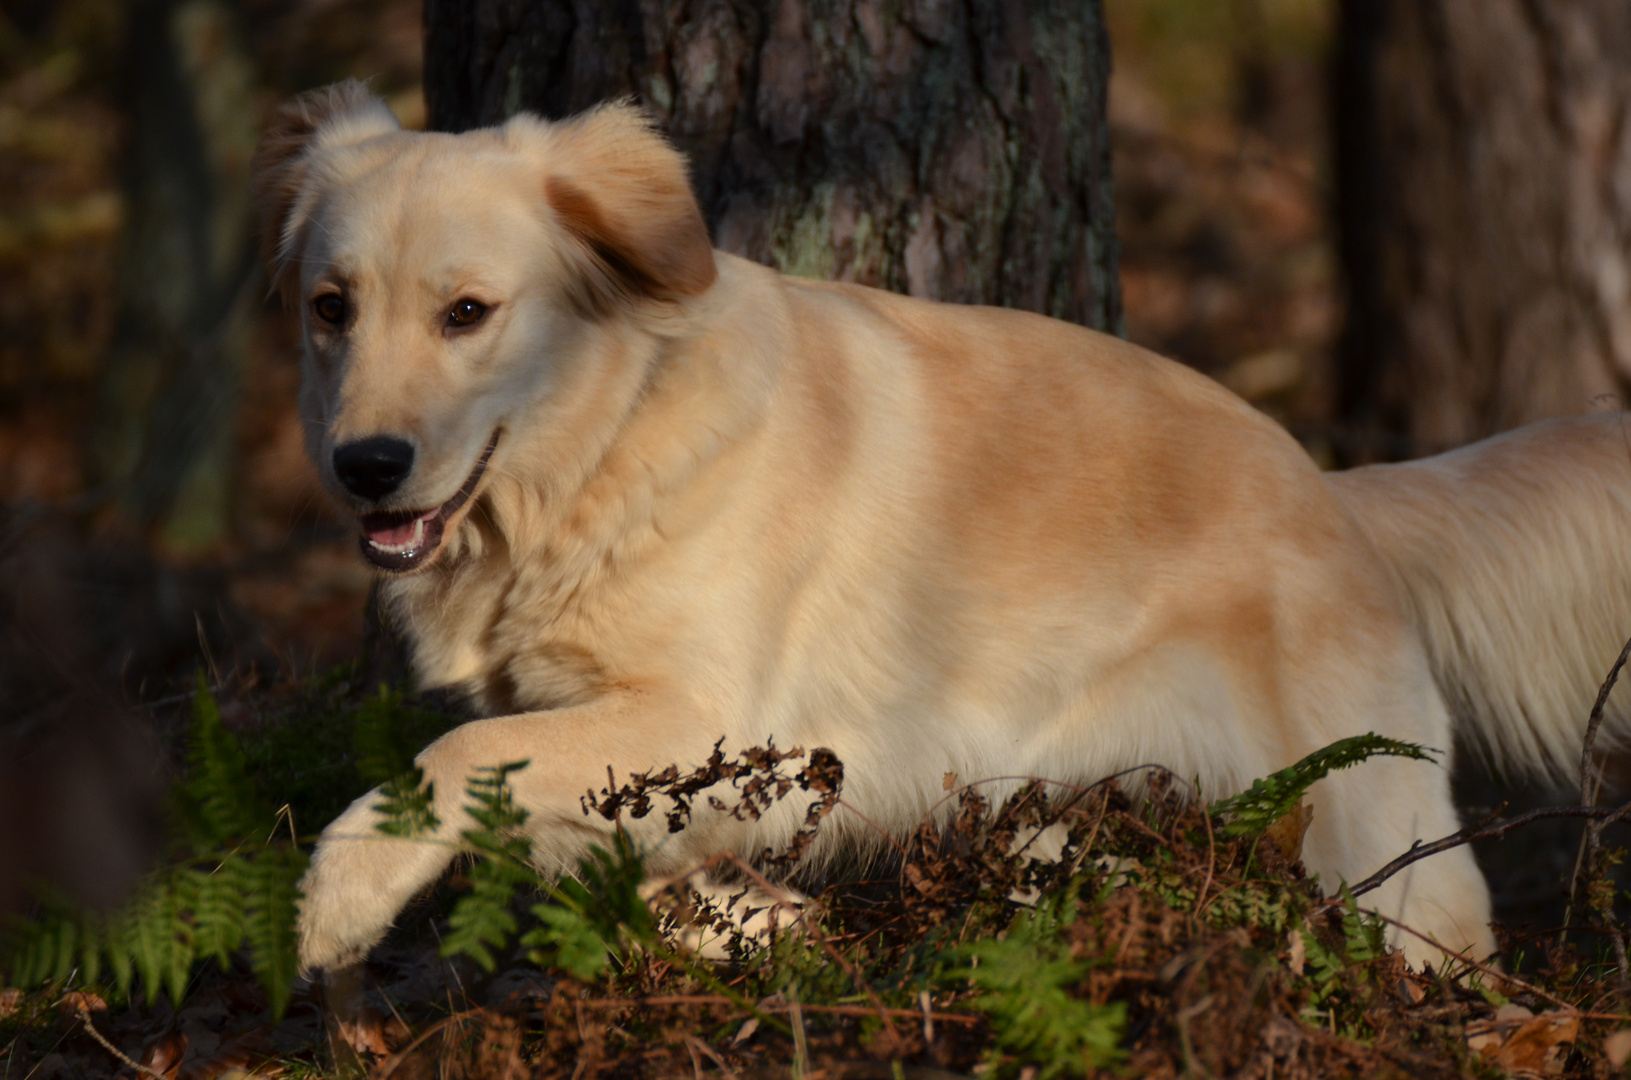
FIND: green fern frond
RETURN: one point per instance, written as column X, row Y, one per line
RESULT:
column 44, row 949
column 1271, row 798
column 219, row 795
column 493, row 807
column 388, row 733
column 159, row 940
column 587, row 918
column 120, row 966
column 238, row 887
column 407, row 805
column 218, row 909
column 270, row 888
column 568, row 940
column 481, row 921
column 1026, row 978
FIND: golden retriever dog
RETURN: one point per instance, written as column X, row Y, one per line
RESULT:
column 633, row 495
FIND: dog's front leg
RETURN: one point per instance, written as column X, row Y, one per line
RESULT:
column 361, row 878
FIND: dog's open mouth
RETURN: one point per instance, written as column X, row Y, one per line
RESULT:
column 402, row 541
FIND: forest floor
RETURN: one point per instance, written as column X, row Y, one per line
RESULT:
column 1161, row 938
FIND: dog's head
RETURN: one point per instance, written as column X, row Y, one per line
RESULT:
column 446, row 286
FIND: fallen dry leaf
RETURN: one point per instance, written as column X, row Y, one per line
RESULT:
column 1489, row 1034
column 369, row 1032
column 1288, row 831
column 80, row 1001
column 1618, row 1047
column 244, row 1056
column 1296, row 952
column 163, row 1055
column 1518, row 1041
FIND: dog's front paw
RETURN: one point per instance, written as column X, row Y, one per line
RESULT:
column 358, row 882
column 339, row 918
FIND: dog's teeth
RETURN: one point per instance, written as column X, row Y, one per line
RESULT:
column 413, row 543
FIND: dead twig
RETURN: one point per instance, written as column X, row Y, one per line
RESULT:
column 400, row 1056
column 1591, row 782
column 774, row 1007
column 90, row 1029
column 1488, row 829
column 1496, row 973
column 696, row 1045
column 1211, row 864
column 1591, row 774
column 821, row 939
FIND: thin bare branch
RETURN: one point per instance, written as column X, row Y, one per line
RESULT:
column 1487, row 830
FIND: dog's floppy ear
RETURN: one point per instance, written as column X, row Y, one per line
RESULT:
column 621, row 192
column 328, row 116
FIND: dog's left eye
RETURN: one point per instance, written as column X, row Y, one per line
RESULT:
column 466, row 313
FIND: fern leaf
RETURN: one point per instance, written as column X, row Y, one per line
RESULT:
column 154, row 931
column 406, row 803
column 1272, row 797
column 1026, row 979
column 219, row 793
column 218, row 909
column 493, row 807
column 382, row 749
column 568, row 940
column 481, row 920
column 610, row 882
column 116, row 947
column 581, row 925
column 269, row 920
column 90, row 931
column 44, row 948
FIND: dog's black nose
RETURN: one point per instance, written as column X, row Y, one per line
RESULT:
column 373, row 468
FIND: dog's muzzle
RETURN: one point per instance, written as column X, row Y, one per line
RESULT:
column 402, row 541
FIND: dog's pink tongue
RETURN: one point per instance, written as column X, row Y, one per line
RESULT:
column 391, row 536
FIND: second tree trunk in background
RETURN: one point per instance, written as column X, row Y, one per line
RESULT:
column 1484, row 178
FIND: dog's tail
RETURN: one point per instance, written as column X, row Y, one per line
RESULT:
column 1514, row 557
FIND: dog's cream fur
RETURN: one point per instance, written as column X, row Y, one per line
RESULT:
column 936, row 539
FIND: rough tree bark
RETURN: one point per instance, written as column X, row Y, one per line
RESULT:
column 954, row 149
column 1484, row 186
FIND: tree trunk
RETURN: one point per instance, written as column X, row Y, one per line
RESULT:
column 954, row 149
column 170, row 393
column 1484, row 184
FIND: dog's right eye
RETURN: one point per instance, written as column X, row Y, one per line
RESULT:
column 329, row 308
column 466, row 312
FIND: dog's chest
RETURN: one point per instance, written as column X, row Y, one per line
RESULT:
column 510, row 639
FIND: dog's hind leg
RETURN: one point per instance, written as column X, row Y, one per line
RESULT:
column 1369, row 815
column 709, row 914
